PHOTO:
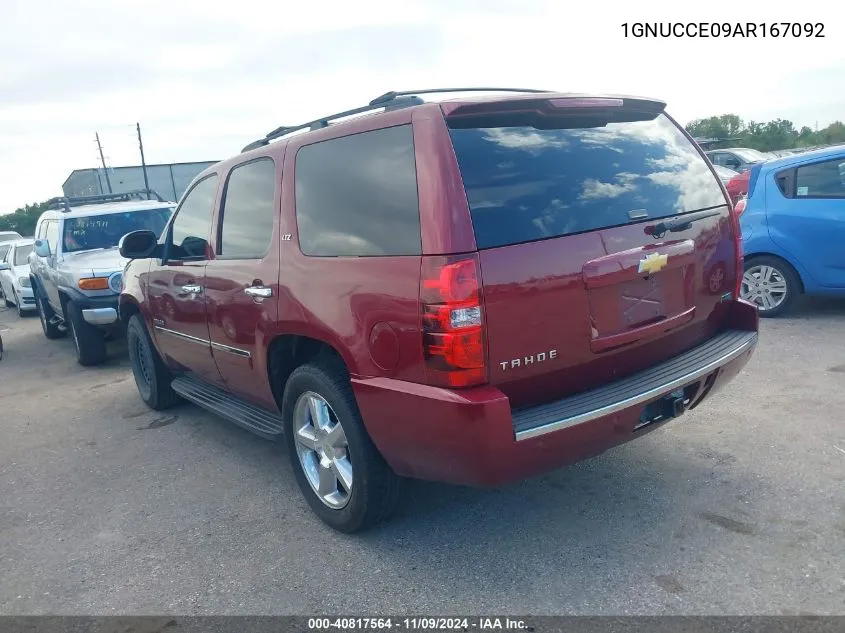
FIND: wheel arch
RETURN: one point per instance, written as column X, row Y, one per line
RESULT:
column 286, row 352
column 37, row 287
column 127, row 308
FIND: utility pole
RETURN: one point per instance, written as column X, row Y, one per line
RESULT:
column 143, row 162
column 103, row 160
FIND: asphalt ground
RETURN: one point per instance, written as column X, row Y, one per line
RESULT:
column 738, row 507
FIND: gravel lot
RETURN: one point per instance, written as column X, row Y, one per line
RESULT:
column 738, row 508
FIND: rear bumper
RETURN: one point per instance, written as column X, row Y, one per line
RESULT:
column 473, row 437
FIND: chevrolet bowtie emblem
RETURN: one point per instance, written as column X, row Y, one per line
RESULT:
column 652, row 263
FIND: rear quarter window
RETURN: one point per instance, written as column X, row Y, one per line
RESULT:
column 526, row 184
column 357, row 195
column 821, row 180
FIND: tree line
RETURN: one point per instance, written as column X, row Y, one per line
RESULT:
column 24, row 218
column 766, row 137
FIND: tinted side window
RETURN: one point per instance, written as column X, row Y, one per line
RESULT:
column 821, row 180
column 51, row 234
column 357, row 195
column 525, row 183
column 249, row 211
column 192, row 225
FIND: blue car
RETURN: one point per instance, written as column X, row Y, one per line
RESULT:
column 793, row 229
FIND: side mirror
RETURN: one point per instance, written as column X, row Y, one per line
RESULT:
column 4, row 266
column 42, row 248
column 138, row 245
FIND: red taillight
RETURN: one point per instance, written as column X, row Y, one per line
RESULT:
column 739, row 207
column 452, row 323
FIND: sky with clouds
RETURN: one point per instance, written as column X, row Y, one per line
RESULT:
column 205, row 77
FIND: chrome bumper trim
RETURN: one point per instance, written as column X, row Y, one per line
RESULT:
column 642, row 387
column 100, row 316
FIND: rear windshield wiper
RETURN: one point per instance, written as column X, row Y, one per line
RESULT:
column 682, row 223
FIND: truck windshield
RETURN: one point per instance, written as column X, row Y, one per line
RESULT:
column 105, row 231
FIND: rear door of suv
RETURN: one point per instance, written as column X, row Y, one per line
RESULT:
column 582, row 284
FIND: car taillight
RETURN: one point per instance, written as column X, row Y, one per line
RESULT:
column 452, row 321
column 739, row 207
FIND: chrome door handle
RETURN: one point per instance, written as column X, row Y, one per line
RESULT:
column 259, row 291
column 192, row 289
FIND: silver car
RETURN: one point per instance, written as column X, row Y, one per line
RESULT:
column 725, row 174
column 76, row 270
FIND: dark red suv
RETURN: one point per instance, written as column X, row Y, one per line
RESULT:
column 469, row 291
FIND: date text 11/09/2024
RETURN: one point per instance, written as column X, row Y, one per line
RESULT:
column 417, row 624
column 723, row 29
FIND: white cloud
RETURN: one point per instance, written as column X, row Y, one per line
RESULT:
column 206, row 77
column 596, row 190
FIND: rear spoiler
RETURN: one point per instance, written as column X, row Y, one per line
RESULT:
column 553, row 105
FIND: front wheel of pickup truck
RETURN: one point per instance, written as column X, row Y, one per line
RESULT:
column 88, row 340
column 345, row 480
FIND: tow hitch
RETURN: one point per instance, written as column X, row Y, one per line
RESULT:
column 669, row 406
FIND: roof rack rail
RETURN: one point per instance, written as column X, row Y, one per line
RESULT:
column 66, row 203
column 393, row 100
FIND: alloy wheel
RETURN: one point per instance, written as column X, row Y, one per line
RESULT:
column 322, row 449
column 764, row 285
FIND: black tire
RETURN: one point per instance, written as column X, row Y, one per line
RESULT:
column 89, row 341
column 151, row 374
column 19, row 304
column 45, row 313
column 786, row 273
column 375, row 487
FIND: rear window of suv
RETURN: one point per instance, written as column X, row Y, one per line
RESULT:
column 356, row 196
column 526, row 184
